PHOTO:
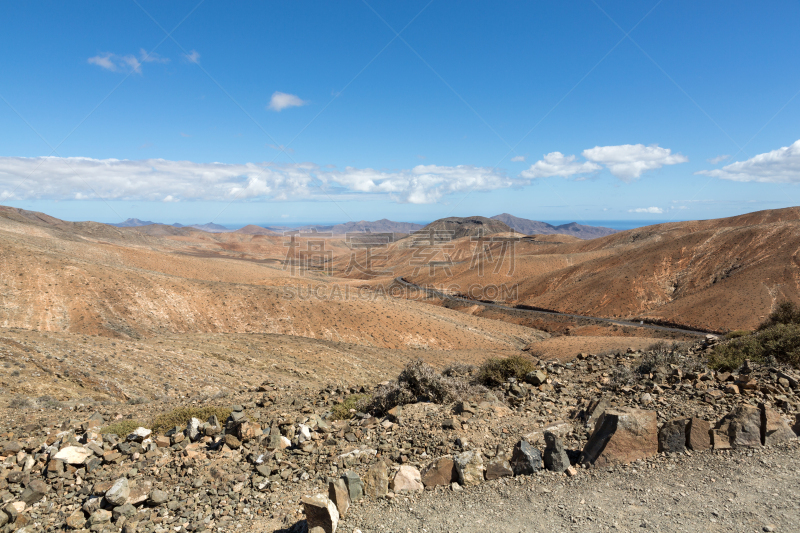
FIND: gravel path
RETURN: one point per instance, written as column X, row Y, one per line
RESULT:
column 741, row 490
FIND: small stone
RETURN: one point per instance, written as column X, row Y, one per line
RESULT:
column 119, row 492
column 193, row 429
column 158, row 497
column 139, row 434
column 34, row 491
column 232, row 442
column 536, row 378
column 571, row 471
column 73, row 455
column 451, row 423
column 101, row 516
column 321, row 512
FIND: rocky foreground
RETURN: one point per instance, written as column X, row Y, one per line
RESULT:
column 281, row 460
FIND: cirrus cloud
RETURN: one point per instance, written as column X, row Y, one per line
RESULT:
column 778, row 166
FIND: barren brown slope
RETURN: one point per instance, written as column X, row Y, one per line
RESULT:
column 56, row 279
column 719, row 274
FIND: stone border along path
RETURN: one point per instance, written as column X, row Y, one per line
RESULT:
column 747, row 490
column 623, row 323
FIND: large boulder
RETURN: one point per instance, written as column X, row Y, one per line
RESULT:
column 698, row 434
column 469, row 467
column 621, row 436
column 338, row 494
column 555, row 457
column 672, row 436
column 498, row 466
column 355, row 487
column 407, row 479
column 773, row 428
column 741, row 427
column 525, row 459
column 440, row 472
column 321, row 512
column 377, row 480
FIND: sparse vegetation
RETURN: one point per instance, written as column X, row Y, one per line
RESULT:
column 785, row 313
column 659, row 354
column 181, row 416
column 21, row 402
column 421, row 382
column 496, row 371
column 354, row 401
column 777, row 340
column 122, row 428
column 737, row 333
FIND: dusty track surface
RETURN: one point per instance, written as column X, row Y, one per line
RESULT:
column 741, row 491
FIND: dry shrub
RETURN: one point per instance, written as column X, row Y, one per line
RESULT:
column 659, row 354
column 459, row 370
column 123, row 428
column 775, row 344
column 420, row 382
column 496, row 371
column 181, row 416
column 341, row 411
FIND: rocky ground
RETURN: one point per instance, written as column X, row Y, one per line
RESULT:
column 247, row 461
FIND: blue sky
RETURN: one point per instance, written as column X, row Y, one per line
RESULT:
column 319, row 112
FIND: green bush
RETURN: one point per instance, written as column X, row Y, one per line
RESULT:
column 341, row 411
column 786, row 313
column 779, row 343
column 496, row 371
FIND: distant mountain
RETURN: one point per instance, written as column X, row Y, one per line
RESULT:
column 133, row 223
column 210, row 227
column 379, row 226
column 468, row 226
column 254, row 230
column 533, row 227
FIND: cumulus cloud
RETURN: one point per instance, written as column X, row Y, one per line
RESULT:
column 281, row 101
column 630, row 161
column 518, row 159
column 172, row 181
column 558, row 164
column 651, row 210
column 778, row 166
column 718, row 159
column 192, row 57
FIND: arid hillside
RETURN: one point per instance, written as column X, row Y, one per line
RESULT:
column 720, row 275
column 120, row 282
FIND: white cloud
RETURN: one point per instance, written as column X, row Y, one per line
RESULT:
column 105, row 61
column 558, row 164
column 126, row 63
column 630, row 161
column 518, row 159
column 651, row 210
column 423, row 184
column 172, row 181
column 718, row 159
column 192, row 57
column 778, row 166
column 281, row 101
